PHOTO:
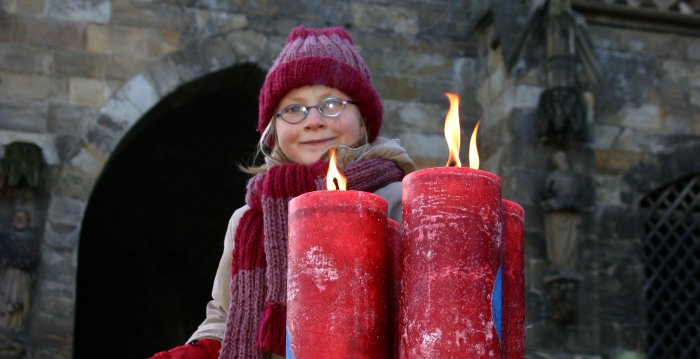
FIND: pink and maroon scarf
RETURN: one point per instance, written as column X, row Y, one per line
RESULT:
column 256, row 321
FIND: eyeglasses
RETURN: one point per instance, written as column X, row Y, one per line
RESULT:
column 330, row 107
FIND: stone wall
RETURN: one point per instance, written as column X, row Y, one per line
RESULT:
column 76, row 75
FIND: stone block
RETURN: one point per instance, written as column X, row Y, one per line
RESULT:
column 218, row 53
column 154, row 15
column 620, row 222
column 522, row 125
column 678, row 71
column 610, row 162
column 66, row 211
column 23, row 7
column 437, row 19
column 123, row 66
column 62, row 236
column 526, row 97
column 425, row 145
column 316, row 12
column 23, row 114
column 88, row 164
column 25, row 58
column 48, row 32
column 692, row 51
column 402, row 116
column 401, row 20
column 396, row 88
column 67, row 146
column 86, row 92
column 205, row 23
column 106, row 39
column 247, row 45
column 160, row 43
column 431, row 89
column 77, row 63
column 69, row 120
column 607, row 190
column 535, row 246
column 92, row 11
column 140, row 93
column 26, row 85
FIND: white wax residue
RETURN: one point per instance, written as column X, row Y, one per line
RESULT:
column 320, row 266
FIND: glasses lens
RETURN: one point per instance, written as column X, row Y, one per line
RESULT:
column 294, row 113
column 331, row 107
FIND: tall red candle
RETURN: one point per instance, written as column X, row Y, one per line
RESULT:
column 394, row 284
column 337, row 261
column 513, row 327
column 452, row 227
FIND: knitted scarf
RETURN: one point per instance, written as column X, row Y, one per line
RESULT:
column 256, row 322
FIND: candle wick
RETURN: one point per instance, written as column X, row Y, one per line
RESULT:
column 335, row 182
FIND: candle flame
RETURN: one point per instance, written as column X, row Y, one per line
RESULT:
column 473, row 152
column 452, row 130
column 334, row 180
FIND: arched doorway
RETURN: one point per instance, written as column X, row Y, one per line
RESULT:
column 153, row 229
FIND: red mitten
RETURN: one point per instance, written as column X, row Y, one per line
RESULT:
column 196, row 349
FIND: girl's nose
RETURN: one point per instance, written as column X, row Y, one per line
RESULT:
column 314, row 119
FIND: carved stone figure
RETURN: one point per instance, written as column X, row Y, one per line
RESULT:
column 562, row 220
column 19, row 259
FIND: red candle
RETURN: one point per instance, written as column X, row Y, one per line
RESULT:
column 452, row 227
column 513, row 328
column 337, row 261
column 394, row 284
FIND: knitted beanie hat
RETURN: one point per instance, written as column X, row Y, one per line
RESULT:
column 323, row 56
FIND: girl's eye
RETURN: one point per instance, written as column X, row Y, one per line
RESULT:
column 294, row 109
column 331, row 105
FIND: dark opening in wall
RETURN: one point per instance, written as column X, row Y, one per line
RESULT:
column 153, row 230
column 672, row 267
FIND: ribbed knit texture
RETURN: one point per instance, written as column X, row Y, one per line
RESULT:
column 324, row 56
column 256, row 321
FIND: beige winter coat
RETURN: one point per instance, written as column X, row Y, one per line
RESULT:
column 214, row 324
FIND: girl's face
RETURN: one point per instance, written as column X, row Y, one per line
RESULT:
column 305, row 142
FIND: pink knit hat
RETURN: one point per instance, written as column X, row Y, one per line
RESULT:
column 324, row 56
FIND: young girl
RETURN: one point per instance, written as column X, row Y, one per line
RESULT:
column 317, row 95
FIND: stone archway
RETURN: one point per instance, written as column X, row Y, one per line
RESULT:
column 52, row 323
column 152, row 231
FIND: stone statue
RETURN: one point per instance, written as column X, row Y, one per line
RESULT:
column 562, row 220
column 18, row 259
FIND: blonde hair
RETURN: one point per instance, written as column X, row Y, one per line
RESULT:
column 275, row 154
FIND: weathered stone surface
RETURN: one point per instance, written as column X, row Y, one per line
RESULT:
column 25, row 58
column 41, row 31
column 69, row 120
column 247, row 45
column 396, row 88
column 25, row 85
column 159, row 43
column 86, row 92
column 77, row 63
column 67, row 146
column 23, row 114
column 205, row 23
column 116, row 39
column 96, row 11
column 65, row 210
column 123, row 66
column 24, row 7
column 402, row 116
column 90, row 162
column 153, row 14
column 402, row 20
column 616, row 162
